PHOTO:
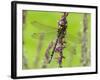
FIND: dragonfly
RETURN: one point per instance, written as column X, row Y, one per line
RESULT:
column 47, row 30
column 54, row 34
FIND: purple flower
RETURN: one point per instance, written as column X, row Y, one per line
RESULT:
column 60, row 60
column 58, row 49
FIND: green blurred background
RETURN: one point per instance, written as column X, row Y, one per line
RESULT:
column 40, row 28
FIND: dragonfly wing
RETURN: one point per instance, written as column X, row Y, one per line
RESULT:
column 47, row 31
column 53, row 34
column 48, row 35
column 40, row 27
column 73, row 39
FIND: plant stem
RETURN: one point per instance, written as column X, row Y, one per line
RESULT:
column 84, row 40
column 41, row 37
